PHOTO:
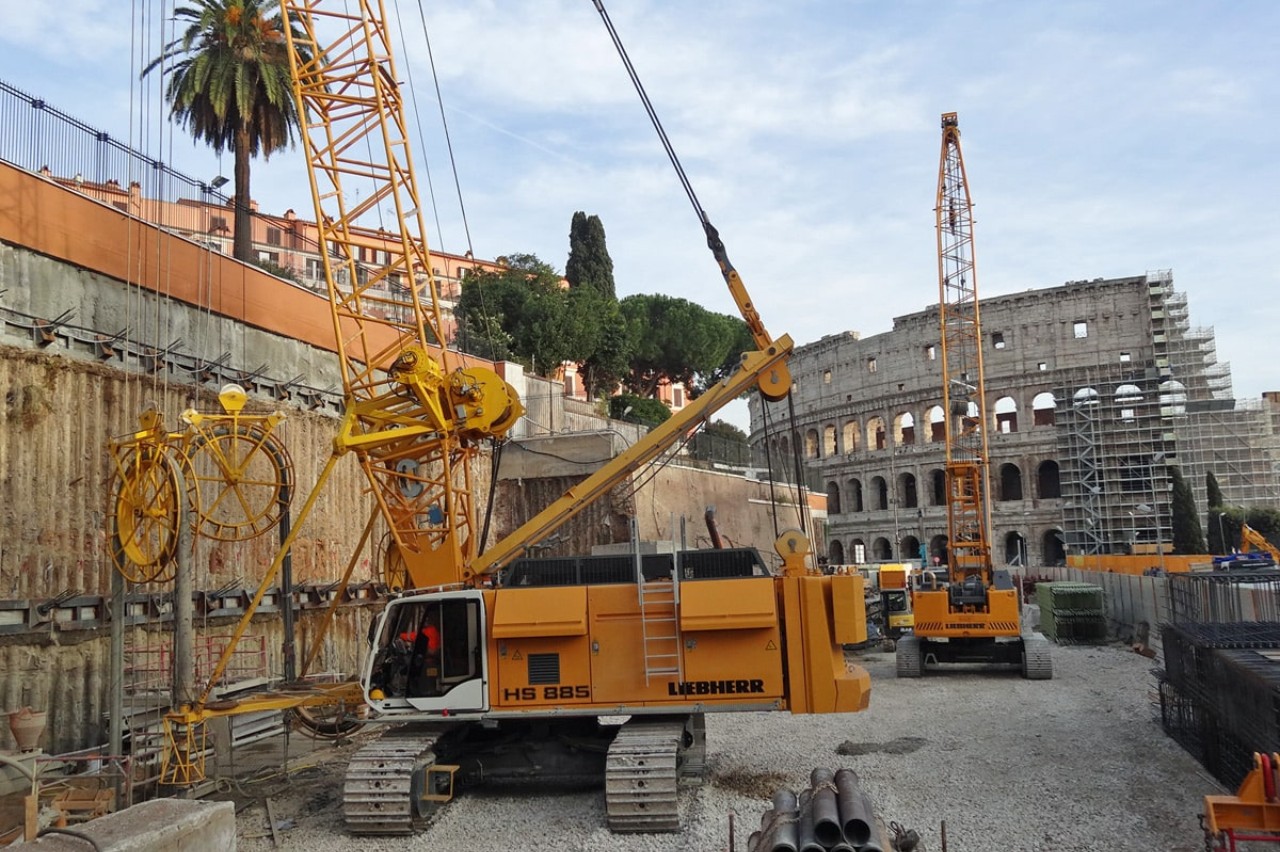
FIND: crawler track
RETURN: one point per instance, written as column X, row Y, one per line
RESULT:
column 1036, row 662
column 910, row 662
column 642, row 776
column 382, row 791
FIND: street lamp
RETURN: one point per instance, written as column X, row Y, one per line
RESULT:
column 1222, row 536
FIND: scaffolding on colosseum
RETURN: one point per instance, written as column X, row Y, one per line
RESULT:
column 1116, row 451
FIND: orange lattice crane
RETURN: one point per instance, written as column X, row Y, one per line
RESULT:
column 975, row 614
column 511, row 662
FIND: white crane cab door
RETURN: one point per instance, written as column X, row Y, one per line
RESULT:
column 428, row 655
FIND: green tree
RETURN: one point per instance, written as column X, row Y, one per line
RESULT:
column 1213, row 492
column 610, row 360
column 589, row 264
column 1187, row 535
column 739, row 337
column 638, row 409
column 674, row 340
column 230, row 86
column 524, row 311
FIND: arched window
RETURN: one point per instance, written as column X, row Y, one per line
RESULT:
column 1047, row 481
column 938, row 550
column 851, row 436
column 1173, row 398
column 1010, row 482
column 881, row 550
column 1015, row 549
column 875, row 433
column 1042, row 405
column 858, row 550
column 811, row 444
column 904, row 429
column 910, row 547
column 879, row 493
column 937, row 424
column 855, row 495
column 1006, row 409
column 937, row 487
column 835, row 553
column 1084, row 396
column 828, row 440
column 833, row 498
column 1051, row 548
column 907, row 488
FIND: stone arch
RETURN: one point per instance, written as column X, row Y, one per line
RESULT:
column 881, row 550
column 907, row 491
column 1173, row 398
column 1048, row 480
column 833, row 498
column 835, row 552
column 784, row 449
column 937, row 487
column 879, row 493
column 938, row 550
column 904, row 429
column 1042, row 408
column 1051, row 549
column 1015, row 548
column 1084, row 396
column 875, row 433
column 811, row 444
column 858, row 551
column 828, row 440
column 1010, row 482
column 937, row 421
column 910, row 547
column 850, row 436
column 1006, row 411
column 855, row 496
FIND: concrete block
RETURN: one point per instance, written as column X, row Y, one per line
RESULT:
column 160, row 825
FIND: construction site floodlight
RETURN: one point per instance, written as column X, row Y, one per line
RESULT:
column 218, row 182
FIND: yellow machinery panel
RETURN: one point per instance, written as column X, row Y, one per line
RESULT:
column 553, row 611
column 849, row 609
column 617, row 654
column 728, row 604
column 535, row 672
column 934, row 618
column 819, row 679
column 735, row 667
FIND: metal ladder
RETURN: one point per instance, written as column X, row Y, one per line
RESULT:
column 659, row 616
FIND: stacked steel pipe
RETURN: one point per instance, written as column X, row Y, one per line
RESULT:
column 834, row 814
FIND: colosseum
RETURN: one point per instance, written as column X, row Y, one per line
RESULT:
column 1095, row 391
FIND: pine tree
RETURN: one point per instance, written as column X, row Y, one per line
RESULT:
column 1216, row 530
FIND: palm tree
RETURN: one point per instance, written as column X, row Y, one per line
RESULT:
column 230, row 87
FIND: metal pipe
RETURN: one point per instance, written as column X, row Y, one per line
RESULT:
column 786, row 825
column 826, row 813
column 877, row 841
column 805, row 838
column 855, row 810
column 184, row 646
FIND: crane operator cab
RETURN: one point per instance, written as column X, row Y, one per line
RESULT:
column 428, row 654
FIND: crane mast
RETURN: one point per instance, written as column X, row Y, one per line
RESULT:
column 963, row 391
column 414, row 410
column 974, row 615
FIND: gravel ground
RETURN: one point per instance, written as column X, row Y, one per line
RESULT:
column 1075, row 764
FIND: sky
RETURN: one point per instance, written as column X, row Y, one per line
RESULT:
column 1101, row 139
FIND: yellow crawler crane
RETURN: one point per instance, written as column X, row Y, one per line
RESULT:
column 975, row 615
column 497, row 668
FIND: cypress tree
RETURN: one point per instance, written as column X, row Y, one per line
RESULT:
column 589, row 264
column 1187, row 534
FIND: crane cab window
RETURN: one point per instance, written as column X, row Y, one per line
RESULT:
column 428, row 647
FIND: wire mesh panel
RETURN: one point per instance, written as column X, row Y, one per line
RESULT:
column 1225, row 597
